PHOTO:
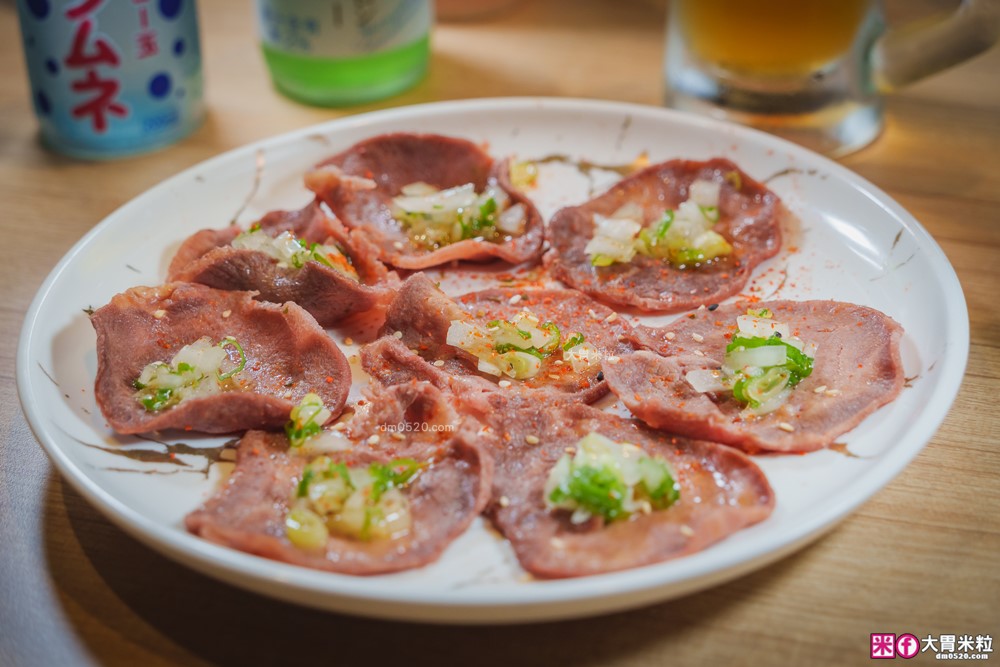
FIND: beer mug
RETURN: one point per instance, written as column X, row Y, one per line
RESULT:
column 812, row 71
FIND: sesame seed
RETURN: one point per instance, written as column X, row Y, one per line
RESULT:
column 699, row 353
column 645, row 507
column 398, row 334
column 348, row 341
column 671, row 335
column 785, row 426
column 701, row 307
column 820, row 389
column 687, row 530
column 288, row 394
column 832, row 392
column 613, row 359
column 698, row 337
column 557, row 543
column 396, row 435
column 504, row 383
column 227, row 313
column 398, row 245
column 611, row 318
column 558, row 362
column 159, row 314
column 340, row 426
column 439, row 363
column 713, row 306
column 373, row 440
column 504, row 501
column 553, row 376
column 531, row 439
column 514, row 299
column 570, row 450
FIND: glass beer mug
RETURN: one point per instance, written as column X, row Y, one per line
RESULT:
column 812, row 71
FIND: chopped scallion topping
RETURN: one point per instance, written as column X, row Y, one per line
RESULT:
column 763, row 364
column 363, row 502
column 609, row 479
column 194, row 371
column 684, row 236
column 229, row 340
column 306, row 420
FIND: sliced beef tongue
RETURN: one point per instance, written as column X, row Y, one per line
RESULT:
column 391, row 161
column 309, row 223
column 721, row 491
column 288, row 355
column 749, row 220
column 857, row 370
column 249, row 512
column 208, row 258
column 421, row 314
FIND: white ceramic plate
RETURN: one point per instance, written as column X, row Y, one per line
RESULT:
column 855, row 244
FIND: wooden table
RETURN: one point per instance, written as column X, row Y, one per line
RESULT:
column 920, row 557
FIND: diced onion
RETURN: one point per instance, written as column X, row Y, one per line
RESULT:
column 292, row 253
column 464, row 335
column 619, row 229
column 704, row 193
column 306, row 530
column 512, row 220
column 629, row 211
column 762, row 357
column 770, row 405
column 418, row 189
column 636, row 472
column 193, row 372
column 451, row 199
column 486, row 367
column 614, row 239
column 689, row 221
column 325, row 442
column 582, row 357
column 758, row 327
column 520, row 365
column 619, row 251
column 705, row 380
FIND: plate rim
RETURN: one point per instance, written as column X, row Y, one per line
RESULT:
column 543, row 599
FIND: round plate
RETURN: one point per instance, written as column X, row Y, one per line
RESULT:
column 853, row 243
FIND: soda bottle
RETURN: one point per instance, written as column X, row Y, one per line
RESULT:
column 343, row 52
column 110, row 79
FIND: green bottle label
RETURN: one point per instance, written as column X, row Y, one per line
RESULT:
column 342, row 28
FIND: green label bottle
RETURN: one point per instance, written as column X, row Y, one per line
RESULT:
column 343, row 52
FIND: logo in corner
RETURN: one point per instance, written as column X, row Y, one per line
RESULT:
column 883, row 645
column 907, row 646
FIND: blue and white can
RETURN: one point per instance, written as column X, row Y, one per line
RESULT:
column 113, row 77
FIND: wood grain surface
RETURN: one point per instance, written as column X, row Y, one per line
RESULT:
column 922, row 556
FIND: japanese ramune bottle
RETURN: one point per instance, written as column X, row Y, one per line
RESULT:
column 110, row 79
column 342, row 52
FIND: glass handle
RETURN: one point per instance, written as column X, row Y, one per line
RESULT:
column 911, row 52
